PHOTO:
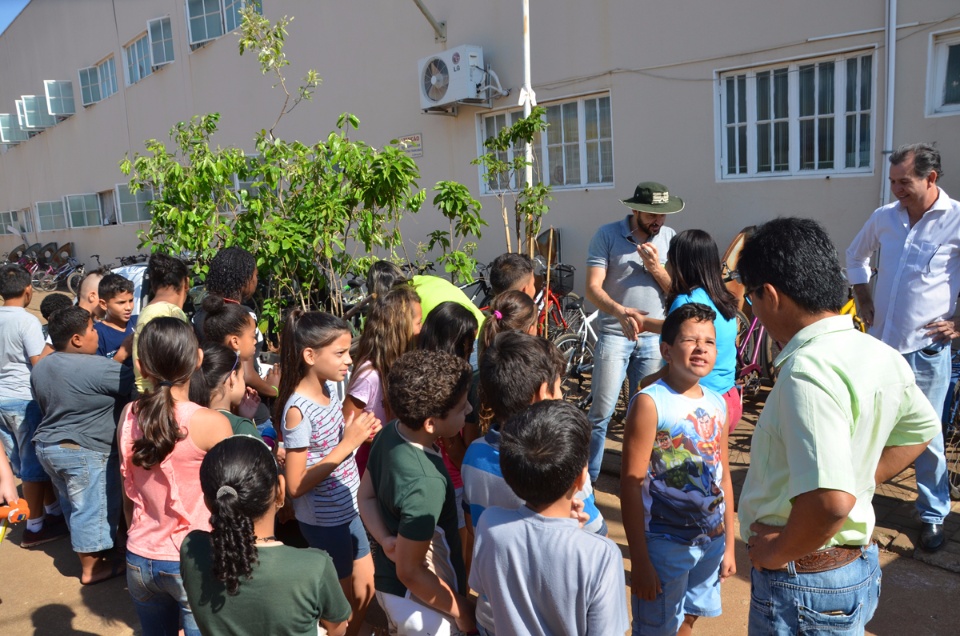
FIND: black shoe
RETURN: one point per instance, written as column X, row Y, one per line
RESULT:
column 49, row 532
column 932, row 537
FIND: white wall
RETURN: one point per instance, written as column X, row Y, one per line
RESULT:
column 657, row 60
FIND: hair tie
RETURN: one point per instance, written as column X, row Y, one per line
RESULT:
column 226, row 490
column 165, row 383
column 497, row 315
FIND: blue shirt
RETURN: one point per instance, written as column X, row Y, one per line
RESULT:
column 111, row 339
column 484, row 486
column 724, row 373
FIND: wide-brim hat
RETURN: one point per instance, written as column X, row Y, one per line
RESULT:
column 654, row 198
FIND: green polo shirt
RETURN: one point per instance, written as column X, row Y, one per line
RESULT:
column 840, row 398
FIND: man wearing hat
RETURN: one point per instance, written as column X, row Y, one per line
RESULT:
column 626, row 280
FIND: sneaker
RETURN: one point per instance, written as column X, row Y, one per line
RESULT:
column 49, row 532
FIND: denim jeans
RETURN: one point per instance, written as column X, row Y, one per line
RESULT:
column 949, row 406
column 837, row 602
column 88, row 485
column 933, row 483
column 616, row 357
column 158, row 596
column 19, row 419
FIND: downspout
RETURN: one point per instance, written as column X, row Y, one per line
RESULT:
column 891, row 30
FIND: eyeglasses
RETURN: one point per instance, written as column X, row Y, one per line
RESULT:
column 735, row 275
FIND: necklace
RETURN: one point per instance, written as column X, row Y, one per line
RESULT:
column 266, row 539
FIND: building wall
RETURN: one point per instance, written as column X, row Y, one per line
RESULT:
column 658, row 61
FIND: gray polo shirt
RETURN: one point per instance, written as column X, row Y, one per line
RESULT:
column 627, row 280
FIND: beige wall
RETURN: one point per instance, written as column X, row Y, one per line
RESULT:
column 657, row 60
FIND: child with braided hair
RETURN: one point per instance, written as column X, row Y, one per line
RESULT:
column 228, row 571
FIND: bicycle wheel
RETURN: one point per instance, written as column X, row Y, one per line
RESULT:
column 578, row 368
column 73, row 281
column 743, row 324
column 44, row 281
column 566, row 320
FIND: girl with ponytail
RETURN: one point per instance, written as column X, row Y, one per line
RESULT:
column 237, row 576
column 218, row 384
column 320, row 469
column 510, row 311
column 162, row 439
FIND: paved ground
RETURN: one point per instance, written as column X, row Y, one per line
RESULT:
column 40, row 591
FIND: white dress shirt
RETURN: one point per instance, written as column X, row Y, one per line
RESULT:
column 918, row 276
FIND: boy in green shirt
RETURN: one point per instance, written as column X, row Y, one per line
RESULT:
column 420, row 575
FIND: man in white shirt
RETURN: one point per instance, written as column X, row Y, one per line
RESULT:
column 918, row 280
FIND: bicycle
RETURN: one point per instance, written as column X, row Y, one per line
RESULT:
column 577, row 349
column 479, row 291
column 49, row 279
column 556, row 314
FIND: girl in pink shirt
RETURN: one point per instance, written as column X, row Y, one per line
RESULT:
column 162, row 440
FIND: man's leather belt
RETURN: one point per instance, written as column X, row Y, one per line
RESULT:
column 827, row 559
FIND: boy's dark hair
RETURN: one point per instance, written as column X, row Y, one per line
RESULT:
column 66, row 323
column 543, row 450
column 112, row 285
column 52, row 303
column 798, row 258
column 14, row 281
column 425, row 384
column 230, row 271
column 165, row 271
column 680, row 315
column 513, row 368
column 507, row 270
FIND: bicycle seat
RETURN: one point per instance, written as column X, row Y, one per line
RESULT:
column 576, row 303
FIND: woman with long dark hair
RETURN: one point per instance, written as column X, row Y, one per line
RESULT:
column 694, row 265
column 238, row 577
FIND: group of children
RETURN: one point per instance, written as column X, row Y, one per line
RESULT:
column 466, row 476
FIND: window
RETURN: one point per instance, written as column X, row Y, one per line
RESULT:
column 138, row 59
column 10, row 130
column 108, row 77
column 21, row 116
column 16, row 220
column 83, row 210
column 35, row 115
column 209, row 19
column 59, row 95
column 133, row 206
column 805, row 117
column 89, row 85
column 98, row 82
column 943, row 81
column 576, row 150
column 50, row 215
column 108, row 208
column 161, row 41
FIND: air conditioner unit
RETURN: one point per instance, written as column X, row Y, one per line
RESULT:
column 452, row 76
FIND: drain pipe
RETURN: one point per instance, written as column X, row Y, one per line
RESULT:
column 888, row 108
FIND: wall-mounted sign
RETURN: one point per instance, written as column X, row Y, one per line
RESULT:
column 412, row 144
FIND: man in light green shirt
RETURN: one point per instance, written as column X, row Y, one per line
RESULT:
column 845, row 415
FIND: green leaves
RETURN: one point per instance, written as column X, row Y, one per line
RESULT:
column 313, row 215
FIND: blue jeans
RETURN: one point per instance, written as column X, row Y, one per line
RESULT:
column 88, row 485
column 837, row 602
column 615, row 358
column 949, row 406
column 158, row 596
column 690, row 582
column 933, row 483
column 19, row 419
